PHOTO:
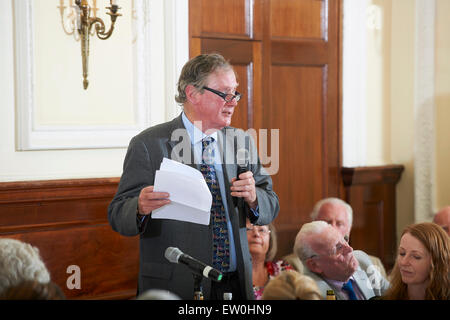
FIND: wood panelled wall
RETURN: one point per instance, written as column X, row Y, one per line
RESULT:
column 371, row 193
column 67, row 221
column 287, row 57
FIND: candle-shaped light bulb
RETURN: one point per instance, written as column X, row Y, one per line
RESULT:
column 114, row 2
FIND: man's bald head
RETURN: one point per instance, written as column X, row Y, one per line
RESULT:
column 442, row 218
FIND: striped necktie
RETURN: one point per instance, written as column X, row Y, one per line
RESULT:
column 221, row 244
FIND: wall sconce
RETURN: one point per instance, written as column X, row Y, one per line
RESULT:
column 84, row 24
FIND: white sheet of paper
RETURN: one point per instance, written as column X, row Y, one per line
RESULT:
column 189, row 193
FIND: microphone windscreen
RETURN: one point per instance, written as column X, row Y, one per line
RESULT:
column 242, row 157
column 173, row 254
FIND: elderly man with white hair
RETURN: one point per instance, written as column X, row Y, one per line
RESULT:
column 331, row 262
column 442, row 218
column 339, row 214
column 20, row 261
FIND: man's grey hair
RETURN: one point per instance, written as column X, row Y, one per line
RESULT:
column 20, row 261
column 319, row 204
column 302, row 246
column 196, row 71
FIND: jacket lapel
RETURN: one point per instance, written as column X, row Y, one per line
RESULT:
column 362, row 281
column 226, row 145
column 179, row 144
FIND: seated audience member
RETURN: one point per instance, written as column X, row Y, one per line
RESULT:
column 442, row 218
column 262, row 243
column 421, row 270
column 291, row 285
column 330, row 261
column 157, row 294
column 33, row 290
column 338, row 214
column 20, row 261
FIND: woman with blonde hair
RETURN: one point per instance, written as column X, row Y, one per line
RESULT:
column 421, row 270
column 291, row 285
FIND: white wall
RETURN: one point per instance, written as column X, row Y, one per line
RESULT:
column 60, row 97
column 402, row 75
column 93, row 162
column 442, row 101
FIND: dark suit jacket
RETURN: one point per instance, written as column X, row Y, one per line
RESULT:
column 143, row 158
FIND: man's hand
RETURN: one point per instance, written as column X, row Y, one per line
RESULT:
column 245, row 188
column 149, row 200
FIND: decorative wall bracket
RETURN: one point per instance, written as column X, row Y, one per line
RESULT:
column 85, row 23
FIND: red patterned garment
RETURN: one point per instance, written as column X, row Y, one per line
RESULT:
column 274, row 268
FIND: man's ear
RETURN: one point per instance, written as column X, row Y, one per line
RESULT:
column 192, row 94
column 313, row 266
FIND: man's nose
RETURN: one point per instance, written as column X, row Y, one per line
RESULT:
column 348, row 249
column 233, row 102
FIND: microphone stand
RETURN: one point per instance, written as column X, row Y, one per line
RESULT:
column 198, row 292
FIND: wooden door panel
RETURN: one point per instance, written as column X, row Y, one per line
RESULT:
column 371, row 193
column 222, row 18
column 241, row 112
column 299, row 53
column 234, row 11
column 297, row 111
column 298, row 19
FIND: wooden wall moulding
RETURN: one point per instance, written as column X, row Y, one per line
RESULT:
column 370, row 175
column 67, row 221
column 371, row 193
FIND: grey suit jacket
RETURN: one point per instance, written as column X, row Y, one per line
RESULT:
column 369, row 279
column 144, row 156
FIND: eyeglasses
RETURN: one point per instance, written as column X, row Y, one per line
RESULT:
column 260, row 230
column 228, row 97
column 337, row 250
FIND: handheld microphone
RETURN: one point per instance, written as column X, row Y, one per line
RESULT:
column 175, row 255
column 242, row 161
column 242, row 166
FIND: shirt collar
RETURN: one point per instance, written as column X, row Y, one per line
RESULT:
column 195, row 134
column 337, row 283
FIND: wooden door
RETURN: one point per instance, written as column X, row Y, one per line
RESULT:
column 287, row 57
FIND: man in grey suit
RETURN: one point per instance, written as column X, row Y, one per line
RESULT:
column 333, row 264
column 207, row 91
